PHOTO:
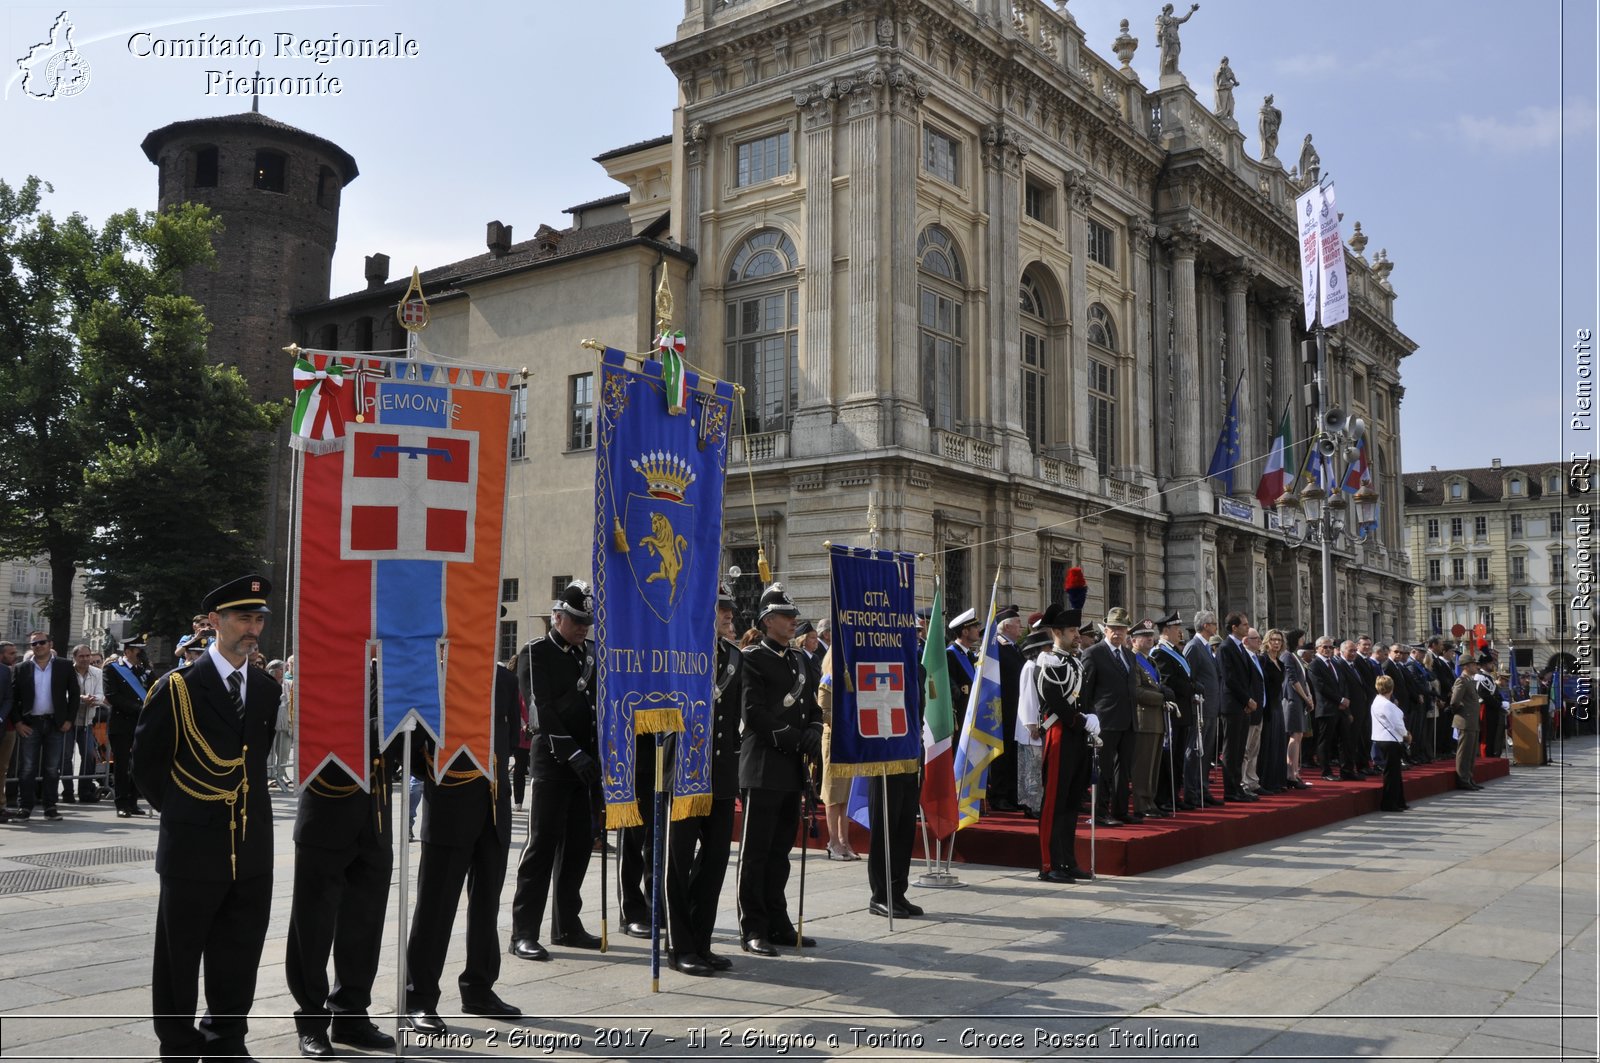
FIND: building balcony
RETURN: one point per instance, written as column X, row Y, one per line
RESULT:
column 966, row 449
column 764, row 446
column 1482, row 583
column 1060, row 473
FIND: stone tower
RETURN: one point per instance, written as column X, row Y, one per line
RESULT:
column 277, row 190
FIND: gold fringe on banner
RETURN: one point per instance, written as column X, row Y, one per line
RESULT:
column 882, row 767
column 691, row 805
column 650, row 721
column 623, row 815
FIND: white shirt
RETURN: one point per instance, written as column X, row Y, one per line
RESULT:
column 42, row 705
column 224, row 670
column 1388, row 723
column 91, row 683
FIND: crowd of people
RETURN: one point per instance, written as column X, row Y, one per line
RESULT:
column 1174, row 718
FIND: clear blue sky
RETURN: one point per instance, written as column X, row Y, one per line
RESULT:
column 1461, row 136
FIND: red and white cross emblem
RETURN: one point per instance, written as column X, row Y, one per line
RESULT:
column 881, row 699
column 410, row 494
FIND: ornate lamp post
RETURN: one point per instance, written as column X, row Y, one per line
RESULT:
column 1315, row 515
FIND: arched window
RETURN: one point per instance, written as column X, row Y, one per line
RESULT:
column 1042, row 336
column 940, row 328
column 272, row 171
column 205, row 167
column 762, row 334
column 1103, row 389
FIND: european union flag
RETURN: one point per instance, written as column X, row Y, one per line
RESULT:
column 1226, row 457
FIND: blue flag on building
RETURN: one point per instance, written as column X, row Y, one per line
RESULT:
column 1225, row 458
column 982, row 737
column 877, row 719
column 657, row 542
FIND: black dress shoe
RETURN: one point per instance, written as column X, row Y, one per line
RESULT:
column 123, row 813
column 1056, row 874
column 1330, row 776
column 912, row 910
column 489, row 1004
column 359, row 1035
column 787, row 938
column 636, row 929
column 1080, row 875
column 1136, row 817
column 528, row 949
column 718, row 963
column 690, row 964
column 427, row 1022
column 899, row 910
column 577, row 939
column 1107, row 821
column 760, row 946
column 315, row 1046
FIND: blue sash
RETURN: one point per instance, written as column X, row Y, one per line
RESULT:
column 1180, row 658
column 961, row 656
column 129, row 678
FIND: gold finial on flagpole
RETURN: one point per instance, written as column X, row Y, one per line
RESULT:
column 663, row 301
column 293, row 350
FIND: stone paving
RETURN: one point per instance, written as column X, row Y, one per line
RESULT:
column 1464, row 929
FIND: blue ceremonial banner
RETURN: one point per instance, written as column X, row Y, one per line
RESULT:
column 657, row 541
column 877, row 718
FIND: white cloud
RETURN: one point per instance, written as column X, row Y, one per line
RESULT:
column 1530, row 128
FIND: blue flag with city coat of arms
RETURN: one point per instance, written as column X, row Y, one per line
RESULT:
column 657, row 537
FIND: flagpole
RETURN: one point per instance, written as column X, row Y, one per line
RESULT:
column 402, row 842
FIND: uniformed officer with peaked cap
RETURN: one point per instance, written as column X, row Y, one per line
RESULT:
column 698, row 846
column 556, row 674
column 782, row 728
column 200, row 759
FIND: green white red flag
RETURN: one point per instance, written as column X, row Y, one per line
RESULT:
column 939, row 809
column 322, row 405
column 1280, row 459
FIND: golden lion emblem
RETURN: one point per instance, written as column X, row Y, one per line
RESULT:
column 668, row 545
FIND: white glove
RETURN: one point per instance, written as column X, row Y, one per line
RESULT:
column 1091, row 724
column 1172, row 707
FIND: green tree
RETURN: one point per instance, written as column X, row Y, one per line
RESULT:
column 132, row 455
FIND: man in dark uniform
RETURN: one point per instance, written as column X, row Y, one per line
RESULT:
column 782, row 729
column 466, row 836
column 1052, row 709
column 961, row 661
column 1173, row 667
column 1002, row 795
column 556, row 676
column 126, row 683
column 200, row 759
column 343, row 856
column 635, row 864
column 698, row 846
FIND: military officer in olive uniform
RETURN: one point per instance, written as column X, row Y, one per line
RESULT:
column 466, row 838
column 200, row 759
column 698, row 846
column 343, row 857
column 556, row 675
column 782, row 729
column 126, row 683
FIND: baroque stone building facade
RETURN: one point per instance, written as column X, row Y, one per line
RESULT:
column 986, row 284
column 1491, row 546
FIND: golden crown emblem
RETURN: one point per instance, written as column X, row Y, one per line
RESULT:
column 665, row 475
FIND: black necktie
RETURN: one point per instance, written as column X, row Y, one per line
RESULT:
column 235, row 682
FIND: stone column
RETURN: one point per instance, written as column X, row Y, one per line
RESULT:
column 1000, row 392
column 815, row 415
column 865, row 100
column 688, row 227
column 1080, row 194
column 1190, row 452
column 1236, row 282
column 907, row 425
column 1142, row 453
column 1286, row 366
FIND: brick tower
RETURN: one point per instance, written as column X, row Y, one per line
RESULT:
column 277, row 190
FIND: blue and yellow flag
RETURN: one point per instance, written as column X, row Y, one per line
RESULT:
column 982, row 737
column 657, row 541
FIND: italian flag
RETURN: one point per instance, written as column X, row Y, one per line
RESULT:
column 672, row 345
column 1280, row 458
column 938, row 731
column 322, row 405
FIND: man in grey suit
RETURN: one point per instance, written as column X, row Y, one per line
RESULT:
column 1208, row 684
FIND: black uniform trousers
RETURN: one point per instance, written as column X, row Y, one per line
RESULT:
column 897, row 834
column 635, row 862
column 127, row 797
column 226, row 923
column 1116, row 768
column 771, row 821
column 697, row 866
column 441, row 873
column 560, row 841
column 1065, row 767
column 340, row 896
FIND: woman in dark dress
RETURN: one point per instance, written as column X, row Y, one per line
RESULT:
column 1273, row 767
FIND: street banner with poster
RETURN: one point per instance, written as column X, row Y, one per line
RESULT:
column 1334, row 300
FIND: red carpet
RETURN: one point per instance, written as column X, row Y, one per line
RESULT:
column 1009, row 839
